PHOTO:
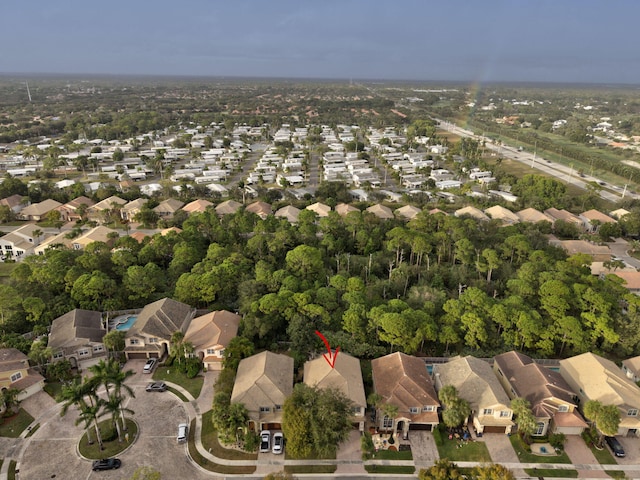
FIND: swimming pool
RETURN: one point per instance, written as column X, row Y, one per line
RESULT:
column 126, row 323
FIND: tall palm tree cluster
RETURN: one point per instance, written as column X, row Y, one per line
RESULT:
column 83, row 393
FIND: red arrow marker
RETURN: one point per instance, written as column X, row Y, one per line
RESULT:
column 331, row 359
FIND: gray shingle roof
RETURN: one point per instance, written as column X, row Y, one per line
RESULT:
column 76, row 327
column 162, row 319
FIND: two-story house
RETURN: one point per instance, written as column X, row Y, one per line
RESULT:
column 150, row 334
column 77, row 336
column 595, row 378
column 551, row 398
column 16, row 373
column 345, row 376
column 75, row 209
column 477, row 384
column 404, row 382
column 21, row 242
column 210, row 334
column 263, row 382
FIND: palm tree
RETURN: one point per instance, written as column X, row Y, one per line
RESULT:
column 114, row 407
column 9, row 398
column 117, row 378
column 177, row 349
column 76, row 394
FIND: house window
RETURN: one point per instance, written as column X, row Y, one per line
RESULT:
column 563, row 408
column 387, row 422
column 153, row 340
column 210, row 351
column 83, row 353
column 221, row 352
column 632, row 412
column 277, row 408
column 58, row 355
column 356, row 411
column 428, row 408
column 98, row 348
column 134, row 341
column 487, row 411
column 539, row 428
column 505, row 413
column 414, row 409
column 265, row 409
column 500, row 372
column 16, row 376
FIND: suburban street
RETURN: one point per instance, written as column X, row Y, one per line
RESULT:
column 562, row 172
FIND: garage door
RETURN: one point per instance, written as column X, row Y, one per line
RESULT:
column 489, row 429
column 272, row 426
column 136, row 355
column 420, row 426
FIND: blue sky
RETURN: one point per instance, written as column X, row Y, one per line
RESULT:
column 474, row 40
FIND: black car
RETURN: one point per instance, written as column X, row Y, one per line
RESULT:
column 615, row 446
column 106, row 464
column 157, row 387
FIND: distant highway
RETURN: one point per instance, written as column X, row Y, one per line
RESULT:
column 562, row 172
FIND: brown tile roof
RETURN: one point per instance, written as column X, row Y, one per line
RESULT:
column 228, row 207
column 12, row 201
column 381, row 211
column 531, row 215
column 534, row 382
column 161, row 319
column 168, row 207
column 39, row 209
column 262, row 209
column 289, row 212
column 76, row 327
column 597, row 215
column 10, row 355
column 472, row 212
column 320, row 208
column 631, row 279
column 343, row 209
column 408, row 211
column 197, row 206
column 345, row 376
column 215, row 328
column 563, row 215
column 404, row 381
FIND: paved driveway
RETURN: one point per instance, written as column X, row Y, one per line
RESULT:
column 350, row 450
column 631, row 447
column 52, row 449
column 423, row 447
column 580, row 454
column 501, row 450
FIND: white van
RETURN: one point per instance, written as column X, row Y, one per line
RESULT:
column 183, row 431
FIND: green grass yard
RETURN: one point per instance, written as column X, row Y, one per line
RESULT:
column 172, row 374
column 457, row 451
column 14, row 425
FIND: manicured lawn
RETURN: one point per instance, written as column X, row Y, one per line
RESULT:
column 112, row 447
column 527, row 457
column 603, row 455
column 54, row 389
column 467, row 452
column 547, row 472
column 178, row 394
column 33, row 430
column 393, row 455
column 389, row 469
column 295, row 469
column 12, row 470
column 210, row 442
column 13, row 426
column 172, row 374
column 209, row 465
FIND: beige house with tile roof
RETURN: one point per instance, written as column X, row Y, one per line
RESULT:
column 631, row 368
column 595, row 378
column 380, row 211
column 477, row 384
column 403, row 381
column 563, row 215
column 408, row 212
column 343, row 209
column 320, row 209
column 598, row 253
column 167, row 208
column 131, row 209
column 531, row 215
column 289, row 213
column 197, row 206
column 150, row 335
column 506, row 216
column 592, row 219
column 631, row 280
column 472, row 212
column 345, row 376
column 262, row 209
column 77, row 336
column 619, row 213
column 21, row 242
column 210, row 334
column 263, row 382
column 228, row 207
column 96, row 234
column 14, row 202
column 549, row 395
column 100, row 212
column 38, row 211
column 16, row 373
column 70, row 211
